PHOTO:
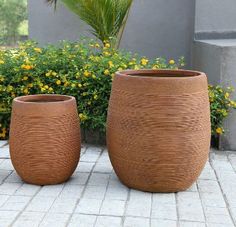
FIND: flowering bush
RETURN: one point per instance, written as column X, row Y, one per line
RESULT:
column 84, row 70
column 220, row 104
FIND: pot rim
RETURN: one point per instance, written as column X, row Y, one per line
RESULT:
column 42, row 99
column 172, row 74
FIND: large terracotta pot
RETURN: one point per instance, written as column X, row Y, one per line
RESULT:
column 158, row 130
column 45, row 138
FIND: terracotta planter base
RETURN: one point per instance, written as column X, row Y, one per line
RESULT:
column 158, row 130
column 45, row 138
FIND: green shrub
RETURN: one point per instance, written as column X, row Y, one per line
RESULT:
column 220, row 104
column 84, row 70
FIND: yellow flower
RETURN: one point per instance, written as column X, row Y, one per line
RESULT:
column 58, row 82
column 89, row 103
column 94, row 77
column 110, row 63
column 73, row 85
column 97, row 45
column 54, row 73
column 27, row 67
column 48, row 74
column 79, row 85
column 86, row 73
column 95, row 97
column 136, row 67
column 171, row 62
column 83, row 117
column 106, row 53
column 233, row 104
column 43, row 89
column 106, row 72
column 144, row 61
column 46, row 86
column 26, row 90
column 50, row 89
column 226, row 95
column 107, row 45
column 219, row 130
column 1, row 62
column 30, row 85
column 155, row 67
column 9, row 88
column 38, row 50
column 25, row 78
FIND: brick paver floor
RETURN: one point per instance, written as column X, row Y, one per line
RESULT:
column 94, row 197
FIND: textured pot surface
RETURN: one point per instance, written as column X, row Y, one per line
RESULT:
column 45, row 138
column 158, row 130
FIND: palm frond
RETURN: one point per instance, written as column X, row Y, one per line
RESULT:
column 105, row 17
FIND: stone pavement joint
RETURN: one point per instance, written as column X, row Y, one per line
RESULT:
column 94, row 197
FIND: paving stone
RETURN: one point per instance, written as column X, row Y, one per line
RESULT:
column 164, row 211
column 104, row 158
column 9, row 188
column 16, row 203
column 81, row 220
column 113, row 207
column 89, row 206
column 27, row 190
column 98, row 179
column 13, row 178
column 71, row 191
column 95, row 192
column 85, row 167
column 55, row 220
column 233, row 213
column 50, row 190
column 207, row 174
column 189, row 207
column 136, row 222
column 79, row 178
column 40, row 204
column 3, row 143
column 137, row 208
column 6, row 165
column 209, row 186
column 117, row 192
column 29, row 219
column 219, row 225
column 63, row 205
column 103, row 168
column 163, row 198
column 3, row 199
column 4, row 174
column 191, row 224
column 163, row 223
column 94, row 196
column 213, row 199
column 104, row 221
column 91, row 155
column 4, row 152
column 193, row 188
column 7, row 217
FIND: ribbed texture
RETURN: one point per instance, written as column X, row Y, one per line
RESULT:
column 158, row 134
column 45, row 148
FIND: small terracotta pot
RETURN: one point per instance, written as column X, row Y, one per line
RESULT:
column 45, row 138
column 158, row 128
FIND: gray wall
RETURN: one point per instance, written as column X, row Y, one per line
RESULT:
column 155, row 27
column 215, row 18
